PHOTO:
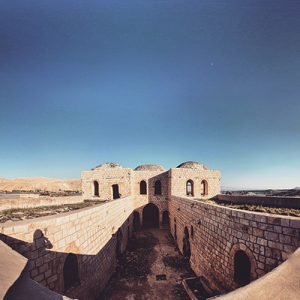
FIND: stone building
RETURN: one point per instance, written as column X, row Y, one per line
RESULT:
column 150, row 184
column 228, row 247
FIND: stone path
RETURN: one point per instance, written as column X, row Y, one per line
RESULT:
column 151, row 269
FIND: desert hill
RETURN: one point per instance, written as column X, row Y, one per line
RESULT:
column 40, row 184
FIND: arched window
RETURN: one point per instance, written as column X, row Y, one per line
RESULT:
column 190, row 188
column 96, row 188
column 157, row 187
column 143, row 187
column 70, row 272
column 242, row 268
column 204, row 188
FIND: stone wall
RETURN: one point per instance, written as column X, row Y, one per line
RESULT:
column 217, row 232
column 274, row 201
column 106, row 177
column 95, row 234
column 20, row 202
column 179, row 177
column 161, row 201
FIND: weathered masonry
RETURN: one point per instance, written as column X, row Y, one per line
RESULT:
column 75, row 253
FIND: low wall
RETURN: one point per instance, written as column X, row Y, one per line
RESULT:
column 95, row 234
column 288, row 202
column 216, row 233
column 28, row 202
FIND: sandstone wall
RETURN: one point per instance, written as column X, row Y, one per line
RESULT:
column 106, row 177
column 91, row 233
column 218, row 232
column 179, row 177
column 161, row 201
column 274, row 201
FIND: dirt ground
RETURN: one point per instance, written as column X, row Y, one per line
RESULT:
column 152, row 268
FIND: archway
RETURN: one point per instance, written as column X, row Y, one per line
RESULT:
column 136, row 221
column 143, row 187
column 150, row 216
column 186, row 249
column 242, row 268
column 165, row 219
column 96, row 188
column 70, row 272
column 204, row 188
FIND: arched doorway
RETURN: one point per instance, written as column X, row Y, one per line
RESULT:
column 242, row 268
column 165, row 219
column 136, row 221
column 70, row 272
column 186, row 249
column 96, row 188
column 150, row 216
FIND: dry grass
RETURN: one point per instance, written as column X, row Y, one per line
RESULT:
column 259, row 208
column 18, row 214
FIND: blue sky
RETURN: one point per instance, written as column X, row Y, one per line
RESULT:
column 85, row 82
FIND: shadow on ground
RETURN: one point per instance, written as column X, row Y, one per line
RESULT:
column 151, row 268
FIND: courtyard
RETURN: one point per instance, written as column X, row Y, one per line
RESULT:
column 151, row 268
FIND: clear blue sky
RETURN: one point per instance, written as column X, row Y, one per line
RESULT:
column 85, row 82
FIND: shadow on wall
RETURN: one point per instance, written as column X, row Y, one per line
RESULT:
column 68, row 273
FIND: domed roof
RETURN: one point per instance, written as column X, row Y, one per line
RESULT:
column 108, row 165
column 191, row 165
column 149, row 167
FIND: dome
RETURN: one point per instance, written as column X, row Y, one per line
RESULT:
column 108, row 165
column 192, row 165
column 149, row 168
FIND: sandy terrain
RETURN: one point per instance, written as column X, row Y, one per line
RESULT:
column 40, row 183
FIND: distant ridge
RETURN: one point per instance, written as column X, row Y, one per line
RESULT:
column 40, row 183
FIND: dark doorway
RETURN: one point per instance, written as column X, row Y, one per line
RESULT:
column 136, row 221
column 119, row 243
column 186, row 244
column 150, row 216
column 115, row 189
column 242, row 268
column 96, row 188
column 157, row 187
column 70, row 272
column 165, row 219
column 175, row 230
column 143, row 187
